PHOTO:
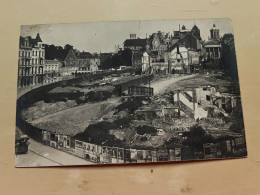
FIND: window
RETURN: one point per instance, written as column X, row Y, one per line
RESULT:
column 52, row 137
column 32, row 53
column 39, row 53
column 207, row 97
column 78, row 144
column 36, row 53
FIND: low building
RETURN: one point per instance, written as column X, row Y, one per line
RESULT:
column 52, row 66
column 51, row 70
column 80, row 62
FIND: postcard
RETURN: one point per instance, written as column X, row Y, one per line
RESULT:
column 128, row 92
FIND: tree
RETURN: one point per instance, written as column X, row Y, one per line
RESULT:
column 123, row 58
column 141, row 130
column 228, row 59
column 127, row 57
column 68, row 47
column 52, row 52
column 197, row 137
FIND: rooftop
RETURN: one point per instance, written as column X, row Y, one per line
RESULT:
column 135, row 42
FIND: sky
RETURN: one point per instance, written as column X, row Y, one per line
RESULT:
column 103, row 36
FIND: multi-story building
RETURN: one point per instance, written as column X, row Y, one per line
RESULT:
column 31, row 61
column 158, row 42
column 136, row 44
column 213, row 45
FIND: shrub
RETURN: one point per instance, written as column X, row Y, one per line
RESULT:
column 197, row 137
column 141, row 130
column 132, row 104
column 143, row 139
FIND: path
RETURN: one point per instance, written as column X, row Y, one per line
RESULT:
column 162, row 85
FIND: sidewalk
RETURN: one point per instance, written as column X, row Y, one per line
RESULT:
column 41, row 155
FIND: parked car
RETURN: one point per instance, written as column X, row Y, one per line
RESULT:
column 21, row 145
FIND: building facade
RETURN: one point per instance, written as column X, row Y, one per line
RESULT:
column 142, row 61
column 181, row 59
column 80, row 62
column 31, row 61
column 213, row 45
column 136, row 44
column 51, row 70
column 158, row 43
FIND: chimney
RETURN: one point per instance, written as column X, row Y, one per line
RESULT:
column 132, row 36
column 178, row 49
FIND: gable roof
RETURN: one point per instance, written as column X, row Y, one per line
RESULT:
column 158, row 35
column 135, row 42
column 84, row 55
column 71, row 54
column 174, row 45
column 32, row 41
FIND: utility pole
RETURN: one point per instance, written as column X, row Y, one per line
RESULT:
column 149, row 73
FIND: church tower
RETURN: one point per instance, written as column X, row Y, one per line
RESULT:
column 195, row 31
column 214, row 33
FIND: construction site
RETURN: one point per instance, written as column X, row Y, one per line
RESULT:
column 199, row 116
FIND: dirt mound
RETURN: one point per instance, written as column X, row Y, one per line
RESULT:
column 40, row 109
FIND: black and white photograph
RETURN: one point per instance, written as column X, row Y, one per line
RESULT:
column 144, row 91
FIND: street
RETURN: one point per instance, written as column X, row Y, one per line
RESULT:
column 41, row 155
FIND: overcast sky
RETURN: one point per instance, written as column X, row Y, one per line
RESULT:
column 103, row 36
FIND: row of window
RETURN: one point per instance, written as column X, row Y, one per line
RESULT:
column 26, row 44
column 51, row 67
column 30, row 62
column 28, row 53
column 134, row 47
column 30, row 71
